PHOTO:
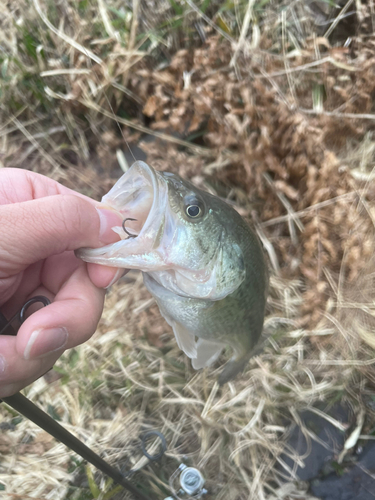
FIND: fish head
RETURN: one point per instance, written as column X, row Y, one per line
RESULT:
column 182, row 237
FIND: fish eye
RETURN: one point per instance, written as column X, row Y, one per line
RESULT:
column 193, row 211
column 193, row 206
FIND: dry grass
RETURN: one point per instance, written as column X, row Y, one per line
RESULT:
column 268, row 113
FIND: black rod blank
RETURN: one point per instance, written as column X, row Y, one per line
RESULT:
column 29, row 410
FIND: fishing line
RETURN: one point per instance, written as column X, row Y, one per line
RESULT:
column 105, row 73
column 114, row 116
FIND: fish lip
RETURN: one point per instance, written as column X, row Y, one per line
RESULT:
column 155, row 193
column 150, row 175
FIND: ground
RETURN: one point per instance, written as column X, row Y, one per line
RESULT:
column 268, row 104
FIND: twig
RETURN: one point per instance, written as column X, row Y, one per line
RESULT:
column 306, row 211
column 20, row 497
column 331, row 420
column 131, row 43
column 307, row 66
column 356, row 116
column 340, row 362
column 9, row 120
column 134, row 27
column 106, row 21
column 65, row 71
column 35, row 143
column 338, row 19
column 267, row 245
column 209, row 22
column 286, row 62
column 13, row 129
column 244, row 30
column 146, row 130
column 292, row 217
column 65, row 37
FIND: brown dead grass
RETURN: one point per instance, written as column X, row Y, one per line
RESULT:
column 272, row 113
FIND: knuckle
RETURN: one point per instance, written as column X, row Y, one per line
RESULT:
column 74, row 216
column 91, row 322
column 9, row 390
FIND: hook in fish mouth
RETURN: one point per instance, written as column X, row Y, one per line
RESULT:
column 126, row 231
column 136, row 197
column 140, row 198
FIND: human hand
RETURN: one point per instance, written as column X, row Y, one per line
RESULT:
column 41, row 224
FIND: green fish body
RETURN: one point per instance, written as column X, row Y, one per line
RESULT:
column 200, row 260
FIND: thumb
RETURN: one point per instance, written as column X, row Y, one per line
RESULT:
column 33, row 230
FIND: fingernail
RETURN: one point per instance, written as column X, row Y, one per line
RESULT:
column 45, row 341
column 116, row 277
column 2, row 365
column 108, row 219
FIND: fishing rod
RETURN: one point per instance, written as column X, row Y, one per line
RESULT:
column 29, row 410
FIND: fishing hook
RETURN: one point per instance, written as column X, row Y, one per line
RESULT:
column 126, row 231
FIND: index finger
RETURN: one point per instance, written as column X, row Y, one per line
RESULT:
column 33, row 230
column 17, row 185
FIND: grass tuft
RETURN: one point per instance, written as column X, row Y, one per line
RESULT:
column 265, row 103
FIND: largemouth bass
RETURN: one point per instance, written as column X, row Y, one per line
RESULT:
column 200, row 260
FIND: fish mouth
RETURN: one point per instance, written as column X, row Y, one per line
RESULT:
column 140, row 197
column 134, row 196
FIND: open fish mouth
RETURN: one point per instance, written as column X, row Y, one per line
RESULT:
column 135, row 196
column 141, row 195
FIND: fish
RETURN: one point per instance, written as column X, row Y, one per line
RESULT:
column 200, row 260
